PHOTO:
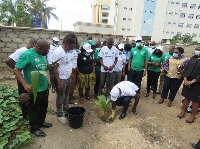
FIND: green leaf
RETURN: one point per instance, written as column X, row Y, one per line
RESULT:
column 3, row 142
column 34, row 82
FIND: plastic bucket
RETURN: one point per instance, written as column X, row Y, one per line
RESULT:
column 76, row 116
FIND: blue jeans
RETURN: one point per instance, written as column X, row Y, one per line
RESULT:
column 136, row 78
column 125, row 101
column 172, row 85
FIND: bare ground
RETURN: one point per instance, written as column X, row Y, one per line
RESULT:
column 153, row 127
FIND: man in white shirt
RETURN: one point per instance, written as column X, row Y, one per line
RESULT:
column 62, row 71
column 121, row 94
column 108, row 57
column 11, row 61
column 152, row 47
column 53, row 47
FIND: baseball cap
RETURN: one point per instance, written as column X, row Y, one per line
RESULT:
column 114, row 94
column 138, row 38
column 160, row 47
column 87, row 47
column 55, row 39
column 121, row 46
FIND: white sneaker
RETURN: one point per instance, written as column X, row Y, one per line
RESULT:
column 62, row 120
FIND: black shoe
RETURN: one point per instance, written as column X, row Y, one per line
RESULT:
column 122, row 116
column 46, row 125
column 38, row 133
column 193, row 145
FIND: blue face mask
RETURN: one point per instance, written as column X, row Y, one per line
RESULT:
column 55, row 45
column 175, row 55
column 90, row 41
column 125, row 52
column 87, row 54
column 197, row 53
column 138, row 44
column 153, row 47
column 70, row 51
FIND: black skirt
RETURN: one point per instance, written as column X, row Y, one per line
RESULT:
column 191, row 93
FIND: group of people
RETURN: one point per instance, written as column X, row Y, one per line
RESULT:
column 102, row 65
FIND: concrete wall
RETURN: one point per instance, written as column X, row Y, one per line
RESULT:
column 12, row 38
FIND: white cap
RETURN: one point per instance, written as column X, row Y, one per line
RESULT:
column 114, row 94
column 55, row 39
column 138, row 38
column 160, row 47
column 121, row 46
column 87, row 47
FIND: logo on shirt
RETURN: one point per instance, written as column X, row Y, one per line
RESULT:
column 112, row 52
column 142, row 52
column 84, row 58
column 135, row 52
column 37, row 60
column 106, row 53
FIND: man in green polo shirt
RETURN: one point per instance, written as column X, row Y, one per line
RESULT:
column 34, row 59
column 89, row 40
column 165, row 57
column 138, row 63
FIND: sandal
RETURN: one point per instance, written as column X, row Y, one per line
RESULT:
column 147, row 95
column 180, row 117
column 88, row 98
column 187, row 121
column 81, row 100
column 160, row 102
column 154, row 96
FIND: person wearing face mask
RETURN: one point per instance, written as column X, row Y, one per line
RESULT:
column 34, row 59
column 138, row 63
column 120, row 66
column 191, row 86
column 53, row 47
column 86, row 77
column 127, row 49
column 165, row 57
column 62, row 71
column 97, row 66
column 89, row 40
column 155, row 62
column 173, row 68
column 152, row 47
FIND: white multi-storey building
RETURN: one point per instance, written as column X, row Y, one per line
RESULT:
column 157, row 20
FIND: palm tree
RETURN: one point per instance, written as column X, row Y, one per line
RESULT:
column 39, row 10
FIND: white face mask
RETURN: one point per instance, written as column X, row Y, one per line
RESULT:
column 98, row 49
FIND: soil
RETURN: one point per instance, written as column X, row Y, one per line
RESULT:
column 153, row 127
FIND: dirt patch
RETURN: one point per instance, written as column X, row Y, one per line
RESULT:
column 153, row 127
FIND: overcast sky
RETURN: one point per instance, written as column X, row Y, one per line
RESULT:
column 70, row 11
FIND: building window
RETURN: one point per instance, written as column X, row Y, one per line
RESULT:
column 182, row 15
column 124, row 18
column 172, row 32
column 198, row 17
column 105, row 7
column 123, row 29
column 199, row 7
column 196, row 26
column 171, row 13
column 129, row 19
column 192, row 6
column 125, row 8
column 167, row 32
column 130, row 9
column 187, row 34
column 172, row 3
column 190, row 16
column 194, row 35
column 128, row 29
column 104, row 20
column 177, row 3
column 176, row 13
column 184, row 5
column 179, row 33
column 169, row 22
column 188, row 25
column 174, row 23
column 180, row 25
column 104, row 14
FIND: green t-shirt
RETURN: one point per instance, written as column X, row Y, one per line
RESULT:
column 166, row 56
column 138, row 57
column 154, row 58
column 97, row 64
column 32, row 61
column 92, row 43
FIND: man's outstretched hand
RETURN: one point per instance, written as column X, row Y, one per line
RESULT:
column 111, row 117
